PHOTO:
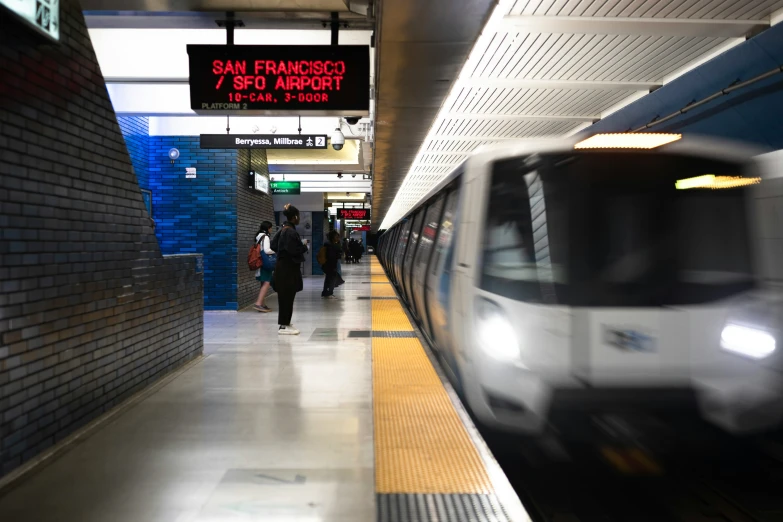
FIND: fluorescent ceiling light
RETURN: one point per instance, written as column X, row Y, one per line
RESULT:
column 711, row 181
column 627, row 141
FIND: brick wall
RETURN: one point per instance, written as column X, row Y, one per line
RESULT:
column 253, row 207
column 136, row 131
column 198, row 215
column 90, row 311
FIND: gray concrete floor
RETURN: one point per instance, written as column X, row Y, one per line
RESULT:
column 264, row 428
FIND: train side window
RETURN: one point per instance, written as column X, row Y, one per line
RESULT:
column 413, row 243
column 402, row 245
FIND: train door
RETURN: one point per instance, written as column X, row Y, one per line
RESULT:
column 439, row 280
column 421, row 262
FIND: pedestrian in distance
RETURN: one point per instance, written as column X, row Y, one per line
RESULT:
column 287, row 280
column 264, row 275
column 330, row 255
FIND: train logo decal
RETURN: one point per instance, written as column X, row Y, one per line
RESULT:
column 629, row 339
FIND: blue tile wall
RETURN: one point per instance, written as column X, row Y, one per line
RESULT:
column 136, row 131
column 198, row 215
column 753, row 114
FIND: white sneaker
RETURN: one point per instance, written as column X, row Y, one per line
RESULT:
column 287, row 330
column 331, row 297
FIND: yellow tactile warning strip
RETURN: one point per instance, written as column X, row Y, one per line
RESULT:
column 421, row 445
column 388, row 316
column 379, row 290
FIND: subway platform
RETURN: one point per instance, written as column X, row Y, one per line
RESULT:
column 349, row 421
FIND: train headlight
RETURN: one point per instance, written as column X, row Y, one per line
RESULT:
column 495, row 333
column 744, row 340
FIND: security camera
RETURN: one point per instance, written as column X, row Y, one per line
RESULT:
column 339, row 175
column 353, row 175
column 352, row 120
column 338, row 139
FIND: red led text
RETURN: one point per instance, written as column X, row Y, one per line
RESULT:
column 279, row 81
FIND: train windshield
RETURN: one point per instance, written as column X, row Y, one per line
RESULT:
column 612, row 229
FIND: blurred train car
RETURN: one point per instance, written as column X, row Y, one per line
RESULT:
column 606, row 275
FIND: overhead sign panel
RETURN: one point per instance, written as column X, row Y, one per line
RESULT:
column 285, row 187
column 280, row 79
column 263, row 141
column 353, row 213
column 44, row 15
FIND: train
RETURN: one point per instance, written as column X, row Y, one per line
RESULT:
column 595, row 276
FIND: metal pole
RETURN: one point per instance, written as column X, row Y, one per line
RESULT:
column 335, row 25
column 722, row 92
column 230, row 28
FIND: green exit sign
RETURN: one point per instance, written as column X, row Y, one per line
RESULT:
column 285, row 187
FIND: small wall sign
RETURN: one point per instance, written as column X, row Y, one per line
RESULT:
column 190, row 172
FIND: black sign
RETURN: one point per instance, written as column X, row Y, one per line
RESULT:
column 353, row 213
column 280, row 79
column 263, row 141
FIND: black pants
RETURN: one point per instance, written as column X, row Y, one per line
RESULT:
column 285, row 304
column 329, row 284
column 288, row 281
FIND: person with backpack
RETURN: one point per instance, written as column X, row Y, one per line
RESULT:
column 264, row 274
column 328, row 258
column 287, row 278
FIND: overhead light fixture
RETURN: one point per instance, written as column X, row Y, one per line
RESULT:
column 711, row 181
column 627, row 141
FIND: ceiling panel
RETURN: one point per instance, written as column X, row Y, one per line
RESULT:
column 713, row 9
column 529, row 78
column 421, row 48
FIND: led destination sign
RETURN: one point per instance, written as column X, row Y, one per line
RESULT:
column 353, row 213
column 280, row 79
column 263, row 141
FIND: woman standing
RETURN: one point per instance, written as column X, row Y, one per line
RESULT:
column 288, row 276
column 262, row 275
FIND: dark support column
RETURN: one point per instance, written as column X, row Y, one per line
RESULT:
column 230, row 28
column 335, row 25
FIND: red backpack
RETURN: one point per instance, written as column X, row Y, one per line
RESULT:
column 254, row 260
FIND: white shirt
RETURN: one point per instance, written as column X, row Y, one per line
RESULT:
column 267, row 246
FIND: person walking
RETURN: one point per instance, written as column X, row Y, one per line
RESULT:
column 347, row 250
column 287, row 279
column 264, row 276
column 332, row 277
column 354, row 246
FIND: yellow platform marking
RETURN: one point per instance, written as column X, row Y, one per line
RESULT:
column 379, row 290
column 379, row 278
column 421, row 445
column 388, row 315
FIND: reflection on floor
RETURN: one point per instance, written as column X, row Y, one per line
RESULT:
column 264, row 428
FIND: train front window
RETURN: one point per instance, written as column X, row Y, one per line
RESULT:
column 611, row 229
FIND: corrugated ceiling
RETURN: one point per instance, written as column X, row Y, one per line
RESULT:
column 547, row 68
